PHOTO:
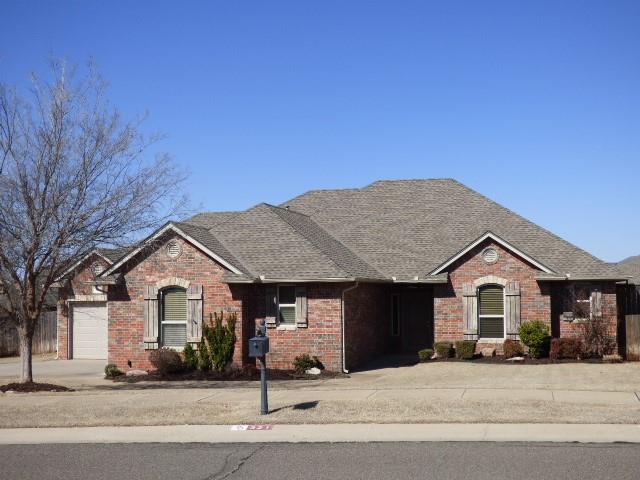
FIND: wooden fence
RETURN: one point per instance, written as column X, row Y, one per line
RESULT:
column 45, row 338
column 632, row 324
column 629, row 321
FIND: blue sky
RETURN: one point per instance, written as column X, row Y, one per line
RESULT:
column 534, row 104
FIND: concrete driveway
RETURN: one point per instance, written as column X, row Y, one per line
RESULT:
column 65, row 372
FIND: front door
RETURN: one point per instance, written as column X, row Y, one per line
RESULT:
column 416, row 314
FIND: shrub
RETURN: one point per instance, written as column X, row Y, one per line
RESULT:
column 304, row 362
column 220, row 340
column 444, row 349
column 425, row 354
column 166, row 360
column 204, row 360
column 566, row 348
column 465, row 349
column 112, row 371
column 190, row 356
column 535, row 335
column 512, row 348
column 597, row 341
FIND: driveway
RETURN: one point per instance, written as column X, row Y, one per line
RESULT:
column 64, row 372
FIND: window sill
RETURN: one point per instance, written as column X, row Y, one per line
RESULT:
column 286, row 327
column 491, row 340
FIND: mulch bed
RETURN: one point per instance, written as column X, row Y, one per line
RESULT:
column 33, row 387
column 243, row 375
column 526, row 361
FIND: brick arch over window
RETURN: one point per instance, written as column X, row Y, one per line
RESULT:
column 173, row 282
column 511, row 306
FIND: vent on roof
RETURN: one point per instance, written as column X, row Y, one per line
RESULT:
column 174, row 249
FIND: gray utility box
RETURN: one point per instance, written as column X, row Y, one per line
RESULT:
column 258, row 346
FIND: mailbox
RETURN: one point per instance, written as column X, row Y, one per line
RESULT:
column 258, row 346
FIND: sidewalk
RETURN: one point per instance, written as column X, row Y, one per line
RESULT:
column 329, row 433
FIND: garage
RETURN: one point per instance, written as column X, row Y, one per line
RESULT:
column 89, row 330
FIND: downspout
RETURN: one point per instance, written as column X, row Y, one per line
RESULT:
column 344, row 360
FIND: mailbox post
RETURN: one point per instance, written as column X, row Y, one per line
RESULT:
column 258, row 348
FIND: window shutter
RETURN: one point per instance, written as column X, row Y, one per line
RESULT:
column 150, row 317
column 301, row 307
column 512, row 309
column 470, row 311
column 596, row 303
column 194, row 313
column 271, row 307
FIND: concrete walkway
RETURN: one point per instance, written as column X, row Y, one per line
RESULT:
column 603, row 433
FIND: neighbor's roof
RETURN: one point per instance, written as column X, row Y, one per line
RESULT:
column 401, row 229
column 631, row 266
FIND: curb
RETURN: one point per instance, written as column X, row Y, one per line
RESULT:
column 477, row 432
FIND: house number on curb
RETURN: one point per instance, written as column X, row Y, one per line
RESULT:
column 244, row 428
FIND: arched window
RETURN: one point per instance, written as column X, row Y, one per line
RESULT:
column 491, row 311
column 174, row 317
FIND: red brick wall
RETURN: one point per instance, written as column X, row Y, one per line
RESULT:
column 322, row 337
column 573, row 329
column 126, row 301
column 76, row 286
column 535, row 300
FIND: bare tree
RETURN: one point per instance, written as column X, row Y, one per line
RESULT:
column 73, row 176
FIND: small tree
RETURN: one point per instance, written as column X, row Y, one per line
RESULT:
column 535, row 335
column 73, row 176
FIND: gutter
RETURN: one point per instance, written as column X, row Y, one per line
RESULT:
column 342, row 315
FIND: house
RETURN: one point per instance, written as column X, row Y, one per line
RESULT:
column 345, row 275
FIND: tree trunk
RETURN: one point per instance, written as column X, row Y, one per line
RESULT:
column 26, row 344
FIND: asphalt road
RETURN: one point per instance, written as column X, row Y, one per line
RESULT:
column 318, row 461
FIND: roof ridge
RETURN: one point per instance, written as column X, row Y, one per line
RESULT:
column 287, row 209
column 403, row 180
column 316, row 247
column 540, row 227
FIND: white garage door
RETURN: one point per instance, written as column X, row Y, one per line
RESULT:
column 90, row 330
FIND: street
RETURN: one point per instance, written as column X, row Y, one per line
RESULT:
column 321, row 460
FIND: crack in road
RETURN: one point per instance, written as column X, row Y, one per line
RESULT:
column 241, row 462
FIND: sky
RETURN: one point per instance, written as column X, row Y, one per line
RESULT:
column 534, row 104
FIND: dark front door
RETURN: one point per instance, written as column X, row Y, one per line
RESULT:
column 416, row 315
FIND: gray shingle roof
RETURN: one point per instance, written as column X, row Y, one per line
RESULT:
column 410, row 227
column 113, row 254
column 631, row 266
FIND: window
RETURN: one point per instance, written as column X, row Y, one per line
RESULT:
column 582, row 299
column 395, row 314
column 174, row 317
column 491, row 312
column 287, row 304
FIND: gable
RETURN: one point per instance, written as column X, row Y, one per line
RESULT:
column 152, row 242
column 486, row 239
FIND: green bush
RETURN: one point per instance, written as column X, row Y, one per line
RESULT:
column 166, row 360
column 444, row 349
column 512, row 348
column 465, row 349
column 204, row 360
column 220, row 340
column 112, row 371
column 304, row 362
column 190, row 356
column 535, row 335
column 425, row 354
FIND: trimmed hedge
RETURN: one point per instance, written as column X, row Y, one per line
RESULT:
column 425, row 354
column 571, row 348
column 444, row 349
column 465, row 349
column 535, row 335
column 512, row 348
